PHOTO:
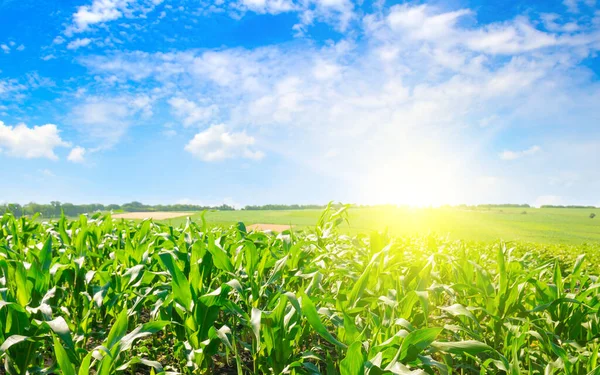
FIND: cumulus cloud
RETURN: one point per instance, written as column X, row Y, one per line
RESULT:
column 513, row 155
column 77, row 155
column 103, row 11
column 29, row 143
column 78, row 43
column 216, row 143
column 99, row 11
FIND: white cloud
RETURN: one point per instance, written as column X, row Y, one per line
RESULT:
column 267, row 6
column 574, row 6
column 24, row 142
column 571, row 5
column 5, row 48
column 78, row 43
column 442, row 29
column 103, row 11
column 216, row 143
column 324, row 70
column 10, row 86
column 334, row 12
column 100, row 11
column 421, row 23
column 106, row 119
column 398, row 96
column 513, row 155
column 21, row 47
column 58, row 40
column 192, row 113
column 77, row 155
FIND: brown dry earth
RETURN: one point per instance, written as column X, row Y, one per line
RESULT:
column 151, row 215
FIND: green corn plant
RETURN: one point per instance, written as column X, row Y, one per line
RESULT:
column 94, row 295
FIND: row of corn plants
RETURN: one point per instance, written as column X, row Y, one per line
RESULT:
column 100, row 296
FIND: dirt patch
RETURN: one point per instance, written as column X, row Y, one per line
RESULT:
column 151, row 215
column 271, row 227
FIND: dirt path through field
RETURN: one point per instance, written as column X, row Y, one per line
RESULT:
column 151, row 215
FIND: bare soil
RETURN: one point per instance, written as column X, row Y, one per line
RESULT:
column 161, row 215
column 271, row 227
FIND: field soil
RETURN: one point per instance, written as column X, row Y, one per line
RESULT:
column 272, row 227
column 151, row 215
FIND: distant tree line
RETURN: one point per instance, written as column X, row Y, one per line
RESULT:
column 281, row 207
column 268, row 207
column 504, row 205
column 55, row 208
column 560, row 206
column 500, row 205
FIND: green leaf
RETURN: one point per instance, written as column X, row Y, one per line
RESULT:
column 558, row 280
column 84, row 368
column 46, row 255
column 220, row 257
column 255, row 324
column 23, row 289
column 118, row 330
column 459, row 347
column 360, row 285
column 415, row 342
column 459, row 310
column 142, row 331
column 310, row 312
column 59, row 326
column 62, row 358
column 354, row 362
column 13, row 340
column 179, row 283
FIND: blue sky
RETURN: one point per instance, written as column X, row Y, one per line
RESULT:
column 300, row 101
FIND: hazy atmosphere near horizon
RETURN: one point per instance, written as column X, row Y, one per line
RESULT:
column 280, row 101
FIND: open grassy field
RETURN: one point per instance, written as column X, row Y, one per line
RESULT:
column 538, row 225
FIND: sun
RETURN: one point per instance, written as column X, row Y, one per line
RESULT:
column 422, row 185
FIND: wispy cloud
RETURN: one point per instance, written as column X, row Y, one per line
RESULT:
column 339, row 13
column 513, row 155
column 106, row 119
column 78, row 43
column 192, row 113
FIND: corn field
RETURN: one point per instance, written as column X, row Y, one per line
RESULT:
column 100, row 296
